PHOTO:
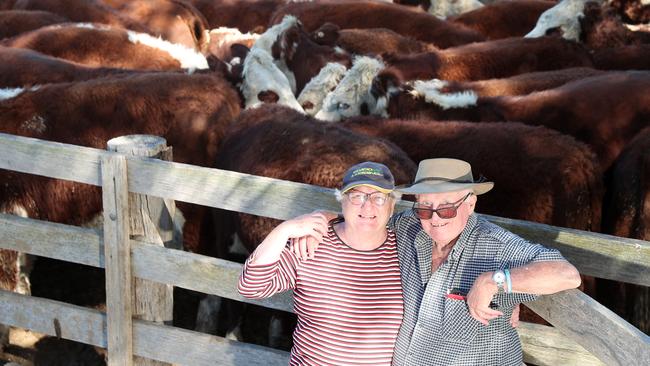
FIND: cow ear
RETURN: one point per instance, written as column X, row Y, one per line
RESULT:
column 290, row 40
column 239, row 50
column 327, row 35
column 383, row 83
column 268, row 96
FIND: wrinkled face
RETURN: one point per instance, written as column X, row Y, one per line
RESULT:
column 367, row 217
column 445, row 231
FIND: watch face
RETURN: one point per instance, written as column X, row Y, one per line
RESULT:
column 499, row 277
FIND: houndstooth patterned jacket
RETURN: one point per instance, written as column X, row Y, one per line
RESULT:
column 437, row 329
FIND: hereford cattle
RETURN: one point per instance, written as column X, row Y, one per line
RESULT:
column 627, row 214
column 263, row 82
column 352, row 92
column 504, row 19
column 190, row 111
column 443, row 8
column 91, row 11
column 632, row 11
column 21, row 67
column 98, row 45
column 486, row 60
column 221, row 40
column 312, row 96
column 440, row 90
column 541, row 175
column 176, row 21
column 14, row 22
column 562, row 19
column 604, row 111
column 601, row 27
column 634, row 57
column 245, row 15
column 371, row 41
column 303, row 57
column 373, row 14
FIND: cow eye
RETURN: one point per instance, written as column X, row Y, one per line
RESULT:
column 343, row 106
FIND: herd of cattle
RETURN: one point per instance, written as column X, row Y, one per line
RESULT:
column 551, row 100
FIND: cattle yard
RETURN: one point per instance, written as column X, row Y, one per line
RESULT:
column 148, row 146
column 584, row 331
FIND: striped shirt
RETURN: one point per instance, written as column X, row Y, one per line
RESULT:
column 348, row 302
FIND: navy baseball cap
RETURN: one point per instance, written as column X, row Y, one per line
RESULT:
column 371, row 174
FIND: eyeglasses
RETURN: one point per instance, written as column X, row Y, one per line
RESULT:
column 359, row 198
column 445, row 212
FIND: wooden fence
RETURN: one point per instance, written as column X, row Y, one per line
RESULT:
column 585, row 332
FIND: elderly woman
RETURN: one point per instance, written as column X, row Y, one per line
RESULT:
column 348, row 298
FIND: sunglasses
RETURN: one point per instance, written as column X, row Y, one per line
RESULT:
column 446, row 212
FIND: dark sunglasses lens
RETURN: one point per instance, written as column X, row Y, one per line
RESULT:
column 447, row 212
column 423, row 213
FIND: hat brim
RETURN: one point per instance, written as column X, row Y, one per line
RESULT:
column 428, row 187
column 380, row 189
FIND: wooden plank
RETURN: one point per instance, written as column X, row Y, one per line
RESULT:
column 544, row 345
column 51, row 159
column 599, row 255
column 175, row 267
column 117, row 252
column 164, row 343
column 594, row 327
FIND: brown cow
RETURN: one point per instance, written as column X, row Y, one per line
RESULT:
column 635, row 57
column 370, row 41
column 21, row 67
column 245, row 15
column 627, row 214
column 487, row 60
column 14, row 22
column 605, row 111
column 98, row 45
column 503, row 19
column 176, row 21
column 92, row 11
column 190, row 111
column 375, row 14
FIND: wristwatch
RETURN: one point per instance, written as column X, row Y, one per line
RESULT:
column 499, row 278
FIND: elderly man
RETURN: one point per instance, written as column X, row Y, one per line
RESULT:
column 462, row 276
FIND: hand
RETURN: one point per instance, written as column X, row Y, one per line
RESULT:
column 304, row 247
column 514, row 319
column 479, row 298
column 305, row 232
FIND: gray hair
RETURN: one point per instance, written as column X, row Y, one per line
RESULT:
column 339, row 195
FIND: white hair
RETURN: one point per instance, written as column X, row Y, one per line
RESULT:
column 430, row 91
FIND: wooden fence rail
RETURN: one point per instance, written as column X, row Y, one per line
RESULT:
column 581, row 319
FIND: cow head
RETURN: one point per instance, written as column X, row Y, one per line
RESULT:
column 312, row 96
column 352, row 92
column 447, row 8
column 563, row 18
column 263, row 82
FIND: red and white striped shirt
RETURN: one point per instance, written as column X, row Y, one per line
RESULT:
column 349, row 302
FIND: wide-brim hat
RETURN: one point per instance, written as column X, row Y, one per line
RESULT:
column 445, row 175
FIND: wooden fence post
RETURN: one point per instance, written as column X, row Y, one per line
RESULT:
column 151, row 221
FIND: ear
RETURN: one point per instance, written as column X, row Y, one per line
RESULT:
column 239, row 50
column 327, row 35
column 268, row 96
column 289, row 44
column 383, row 82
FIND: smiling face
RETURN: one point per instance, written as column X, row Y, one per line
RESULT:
column 367, row 217
column 445, row 231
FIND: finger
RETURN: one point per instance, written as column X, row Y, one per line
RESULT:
column 489, row 313
column 303, row 248
column 476, row 316
column 514, row 319
column 311, row 248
